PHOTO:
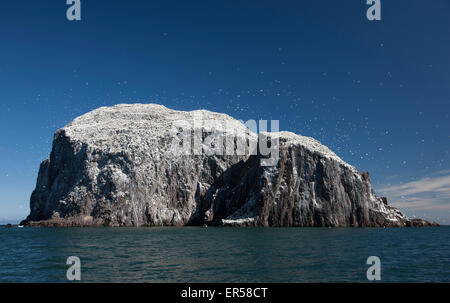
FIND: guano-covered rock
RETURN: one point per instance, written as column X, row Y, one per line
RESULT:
column 119, row 166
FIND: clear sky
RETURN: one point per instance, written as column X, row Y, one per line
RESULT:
column 377, row 93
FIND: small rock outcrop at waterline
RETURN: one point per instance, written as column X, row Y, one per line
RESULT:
column 121, row 166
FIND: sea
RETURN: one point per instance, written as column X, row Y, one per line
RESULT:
column 225, row 254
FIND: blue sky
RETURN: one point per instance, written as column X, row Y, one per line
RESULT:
column 377, row 93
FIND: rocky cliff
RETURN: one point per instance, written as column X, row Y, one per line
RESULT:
column 123, row 166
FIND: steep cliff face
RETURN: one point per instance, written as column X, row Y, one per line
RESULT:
column 122, row 166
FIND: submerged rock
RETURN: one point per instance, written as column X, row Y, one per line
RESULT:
column 120, row 166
